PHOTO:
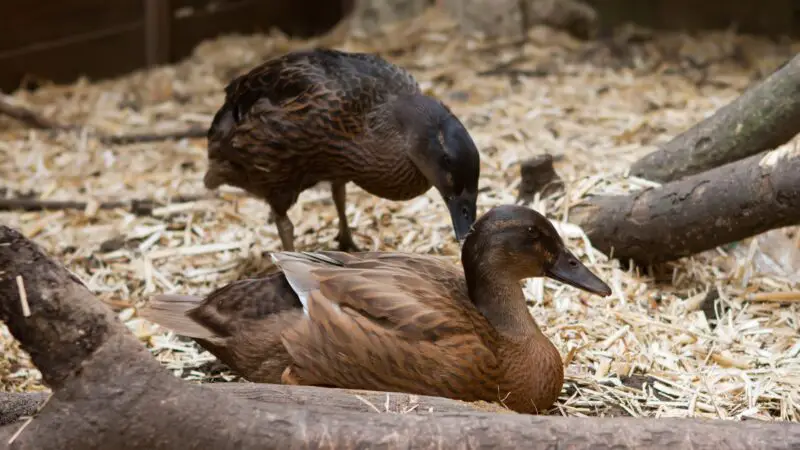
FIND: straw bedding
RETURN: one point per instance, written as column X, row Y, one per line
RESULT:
column 653, row 348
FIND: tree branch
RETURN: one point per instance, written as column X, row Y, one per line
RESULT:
column 110, row 393
column 140, row 207
column 764, row 117
column 36, row 120
column 127, row 139
column 29, row 117
column 698, row 213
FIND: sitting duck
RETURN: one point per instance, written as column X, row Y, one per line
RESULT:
column 397, row 322
column 330, row 116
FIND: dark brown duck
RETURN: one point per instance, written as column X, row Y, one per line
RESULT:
column 396, row 321
column 326, row 115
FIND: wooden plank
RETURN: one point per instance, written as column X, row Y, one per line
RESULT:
column 765, row 17
column 100, row 40
column 157, row 19
column 196, row 20
column 110, row 53
column 36, row 22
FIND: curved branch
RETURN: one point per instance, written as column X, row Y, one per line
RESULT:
column 698, row 213
column 764, row 117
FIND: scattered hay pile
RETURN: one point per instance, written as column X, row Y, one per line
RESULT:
column 651, row 349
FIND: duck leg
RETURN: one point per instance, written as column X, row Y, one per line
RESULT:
column 345, row 237
column 285, row 231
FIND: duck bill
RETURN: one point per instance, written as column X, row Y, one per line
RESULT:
column 462, row 213
column 569, row 270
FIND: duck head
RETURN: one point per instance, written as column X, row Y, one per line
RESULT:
column 443, row 151
column 524, row 244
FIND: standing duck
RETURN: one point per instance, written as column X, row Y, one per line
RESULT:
column 331, row 116
column 395, row 321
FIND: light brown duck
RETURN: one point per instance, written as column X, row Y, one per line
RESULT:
column 396, row 321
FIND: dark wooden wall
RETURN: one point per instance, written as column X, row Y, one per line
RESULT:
column 762, row 17
column 61, row 40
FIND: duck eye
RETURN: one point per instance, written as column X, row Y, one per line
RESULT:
column 573, row 263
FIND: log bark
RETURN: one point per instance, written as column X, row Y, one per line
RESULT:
column 698, row 213
column 110, row 393
column 340, row 400
column 14, row 406
column 127, row 139
column 764, row 117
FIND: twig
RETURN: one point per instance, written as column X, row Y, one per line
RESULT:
column 787, row 297
column 533, row 73
column 368, row 403
column 29, row 117
column 504, row 66
column 140, row 207
column 23, row 297
column 125, row 139
column 20, row 430
column 507, row 69
column 35, row 120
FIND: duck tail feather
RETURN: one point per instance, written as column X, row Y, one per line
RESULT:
column 169, row 311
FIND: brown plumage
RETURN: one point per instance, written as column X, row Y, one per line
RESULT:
column 330, row 116
column 396, row 321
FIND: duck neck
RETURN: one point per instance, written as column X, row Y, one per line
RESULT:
column 392, row 174
column 385, row 149
column 500, row 299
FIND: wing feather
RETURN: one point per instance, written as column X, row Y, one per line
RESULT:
column 398, row 326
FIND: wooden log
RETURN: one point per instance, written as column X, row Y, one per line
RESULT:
column 110, row 393
column 764, row 117
column 698, row 213
column 14, row 406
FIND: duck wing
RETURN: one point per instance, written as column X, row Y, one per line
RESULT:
column 304, row 99
column 379, row 323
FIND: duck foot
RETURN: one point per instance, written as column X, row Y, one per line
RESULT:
column 346, row 243
column 288, row 377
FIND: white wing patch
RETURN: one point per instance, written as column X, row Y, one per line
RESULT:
column 297, row 268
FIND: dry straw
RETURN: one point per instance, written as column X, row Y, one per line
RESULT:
column 647, row 350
